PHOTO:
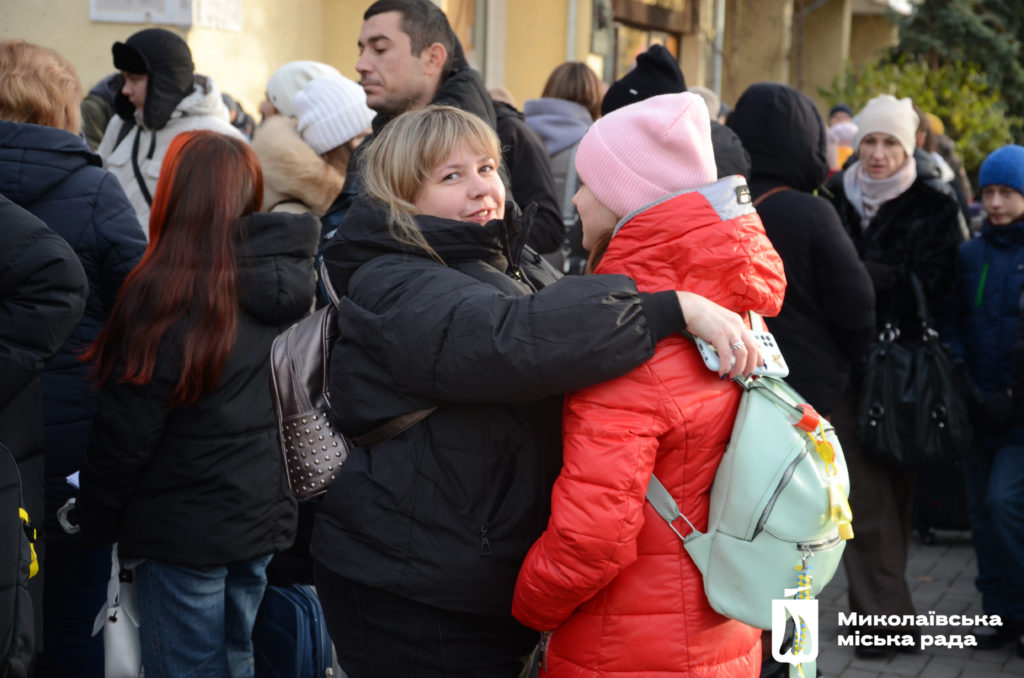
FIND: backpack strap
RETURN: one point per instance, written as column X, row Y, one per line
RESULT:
column 667, row 508
column 135, row 168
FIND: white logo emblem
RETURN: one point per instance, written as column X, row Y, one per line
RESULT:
column 805, row 618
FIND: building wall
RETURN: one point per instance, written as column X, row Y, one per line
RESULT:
column 758, row 41
column 342, row 20
column 757, row 44
column 870, row 36
column 536, row 37
column 273, row 32
column 825, row 37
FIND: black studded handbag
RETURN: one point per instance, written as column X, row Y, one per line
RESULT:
column 912, row 411
column 313, row 448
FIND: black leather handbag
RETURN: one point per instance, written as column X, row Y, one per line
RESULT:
column 912, row 412
column 313, row 448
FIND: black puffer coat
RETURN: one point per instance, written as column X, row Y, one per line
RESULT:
column 205, row 485
column 444, row 513
column 916, row 232
column 828, row 317
column 42, row 296
column 52, row 173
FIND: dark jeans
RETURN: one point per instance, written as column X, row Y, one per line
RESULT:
column 995, row 506
column 377, row 634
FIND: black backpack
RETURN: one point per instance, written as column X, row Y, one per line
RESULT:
column 17, row 565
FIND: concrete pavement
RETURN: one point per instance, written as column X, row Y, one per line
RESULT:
column 941, row 579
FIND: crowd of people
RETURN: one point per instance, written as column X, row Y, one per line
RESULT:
column 531, row 275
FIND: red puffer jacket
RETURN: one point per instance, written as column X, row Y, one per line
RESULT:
column 608, row 576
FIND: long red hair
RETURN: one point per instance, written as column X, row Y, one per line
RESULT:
column 188, row 274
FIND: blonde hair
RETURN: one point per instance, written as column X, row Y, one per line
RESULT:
column 39, row 86
column 408, row 150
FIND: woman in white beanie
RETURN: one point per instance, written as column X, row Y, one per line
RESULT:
column 304, row 158
column 608, row 577
column 900, row 226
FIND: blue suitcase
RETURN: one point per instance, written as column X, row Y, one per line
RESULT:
column 290, row 637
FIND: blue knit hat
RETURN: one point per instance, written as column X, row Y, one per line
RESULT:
column 1003, row 166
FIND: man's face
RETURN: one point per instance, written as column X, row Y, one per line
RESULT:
column 395, row 80
column 135, row 88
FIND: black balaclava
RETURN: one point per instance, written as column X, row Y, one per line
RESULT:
column 167, row 60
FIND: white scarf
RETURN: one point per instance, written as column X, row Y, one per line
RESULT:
column 867, row 195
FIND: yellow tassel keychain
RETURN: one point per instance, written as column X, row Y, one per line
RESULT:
column 840, row 507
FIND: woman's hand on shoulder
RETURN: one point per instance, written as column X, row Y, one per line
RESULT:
column 723, row 329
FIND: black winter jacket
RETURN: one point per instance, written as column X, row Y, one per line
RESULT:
column 52, row 174
column 730, row 155
column 828, row 317
column 526, row 159
column 204, row 485
column 444, row 513
column 916, row 232
column 42, row 296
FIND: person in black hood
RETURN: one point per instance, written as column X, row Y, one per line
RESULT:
column 419, row 538
column 183, row 468
column 827, row 319
column 158, row 93
column 828, row 316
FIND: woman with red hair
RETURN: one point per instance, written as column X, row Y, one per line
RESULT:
column 183, row 467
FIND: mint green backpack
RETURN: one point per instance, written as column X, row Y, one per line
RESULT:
column 779, row 515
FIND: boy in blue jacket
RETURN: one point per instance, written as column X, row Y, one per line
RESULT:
column 988, row 300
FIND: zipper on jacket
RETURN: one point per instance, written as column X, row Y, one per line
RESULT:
column 545, row 643
column 503, row 490
column 979, row 295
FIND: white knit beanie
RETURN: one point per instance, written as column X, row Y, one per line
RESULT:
column 646, row 151
column 888, row 115
column 331, row 111
column 288, row 80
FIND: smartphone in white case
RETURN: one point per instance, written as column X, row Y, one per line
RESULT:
column 774, row 364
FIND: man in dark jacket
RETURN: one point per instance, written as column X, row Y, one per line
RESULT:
column 530, row 175
column 42, row 296
column 409, row 57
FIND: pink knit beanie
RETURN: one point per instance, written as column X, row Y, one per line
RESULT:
column 643, row 152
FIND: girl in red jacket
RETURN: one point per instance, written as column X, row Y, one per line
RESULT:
column 608, row 577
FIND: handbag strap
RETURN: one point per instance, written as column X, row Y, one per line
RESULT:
column 392, row 427
column 769, row 193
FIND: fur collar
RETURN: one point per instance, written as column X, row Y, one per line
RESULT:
column 293, row 170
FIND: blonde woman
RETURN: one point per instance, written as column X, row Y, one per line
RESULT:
column 419, row 538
